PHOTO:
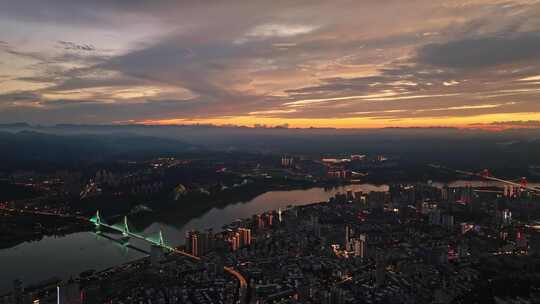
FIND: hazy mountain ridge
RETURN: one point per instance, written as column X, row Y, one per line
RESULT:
column 457, row 147
column 32, row 145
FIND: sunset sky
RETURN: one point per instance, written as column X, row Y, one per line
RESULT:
column 363, row 63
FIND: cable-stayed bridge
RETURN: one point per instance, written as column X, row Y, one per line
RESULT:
column 127, row 233
column 159, row 240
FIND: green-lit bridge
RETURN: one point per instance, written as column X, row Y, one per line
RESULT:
column 127, row 233
column 160, row 241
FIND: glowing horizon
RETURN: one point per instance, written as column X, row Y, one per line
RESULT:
column 486, row 122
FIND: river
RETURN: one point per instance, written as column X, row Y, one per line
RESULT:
column 66, row 256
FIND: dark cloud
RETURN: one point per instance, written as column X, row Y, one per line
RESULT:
column 482, row 51
column 517, row 124
column 69, row 102
column 71, row 12
column 19, row 97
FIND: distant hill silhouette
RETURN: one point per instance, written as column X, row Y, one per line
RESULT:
column 37, row 146
column 464, row 148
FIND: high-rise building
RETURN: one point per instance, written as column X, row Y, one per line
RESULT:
column 235, row 241
column 92, row 294
column 187, row 241
column 348, row 233
column 156, row 254
column 245, row 236
column 260, row 222
column 435, row 217
column 69, row 293
column 447, row 220
column 203, row 242
column 377, row 199
column 506, row 217
column 287, row 162
column 192, row 242
column 521, row 240
column 270, row 219
column 360, row 246
column 534, row 244
column 350, row 196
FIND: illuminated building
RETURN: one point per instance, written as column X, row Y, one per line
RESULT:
column 260, row 221
column 270, row 219
column 192, row 242
column 357, row 157
column 348, row 232
column 245, row 236
column 287, row 162
column 350, row 196
column 360, row 246
column 235, row 241
column 203, row 243
column 521, row 240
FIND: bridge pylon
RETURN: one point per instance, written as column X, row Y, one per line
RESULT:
column 161, row 240
column 125, row 229
column 96, row 219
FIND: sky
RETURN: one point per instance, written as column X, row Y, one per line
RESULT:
column 343, row 64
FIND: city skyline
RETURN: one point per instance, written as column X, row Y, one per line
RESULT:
column 346, row 64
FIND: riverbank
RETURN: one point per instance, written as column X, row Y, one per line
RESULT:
column 194, row 205
column 26, row 226
column 18, row 227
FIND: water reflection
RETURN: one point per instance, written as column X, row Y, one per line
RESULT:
column 218, row 217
